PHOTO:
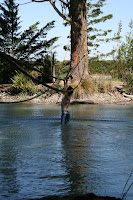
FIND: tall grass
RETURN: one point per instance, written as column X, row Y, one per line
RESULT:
column 89, row 87
column 86, row 87
column 23, row 84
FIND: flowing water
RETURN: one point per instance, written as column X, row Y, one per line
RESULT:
column 39, row 157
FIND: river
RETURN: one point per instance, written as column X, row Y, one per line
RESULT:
column 39, row 157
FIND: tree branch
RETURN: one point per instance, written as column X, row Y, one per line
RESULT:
column 59, row 13
column 15, row 64
column 35, row 69
column 56, row 9
column 64, row 3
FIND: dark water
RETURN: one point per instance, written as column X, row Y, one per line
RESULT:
column 39, row 157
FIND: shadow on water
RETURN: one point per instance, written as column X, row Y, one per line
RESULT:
column 74, row 144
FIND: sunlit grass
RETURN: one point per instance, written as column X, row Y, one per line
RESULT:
column 89, row 87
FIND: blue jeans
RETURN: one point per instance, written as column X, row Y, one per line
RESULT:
column 65, row 117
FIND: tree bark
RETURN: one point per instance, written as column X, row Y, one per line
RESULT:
column 79, row 51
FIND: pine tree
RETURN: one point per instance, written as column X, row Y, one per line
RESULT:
column 78, row 13
column 9, row 26
column 96, row 36
column 33, row 45
column 29, row 45
column 77, row 18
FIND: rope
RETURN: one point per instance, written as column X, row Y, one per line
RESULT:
column 76, row 65
column 63, row 64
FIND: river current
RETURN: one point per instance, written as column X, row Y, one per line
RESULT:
column 39, row 157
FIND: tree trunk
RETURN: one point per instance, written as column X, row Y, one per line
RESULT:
column 79, row 51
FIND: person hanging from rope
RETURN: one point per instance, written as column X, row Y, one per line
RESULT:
column 65, row 117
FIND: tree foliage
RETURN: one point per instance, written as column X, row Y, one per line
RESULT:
column 31, row 44
column 9, row 26
column 124, row 59
column 96, row 16
column 9, row 33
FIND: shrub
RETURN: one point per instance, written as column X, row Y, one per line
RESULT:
column 23, row 83
column 87, row 87
column 104, row 86
column 128, row 88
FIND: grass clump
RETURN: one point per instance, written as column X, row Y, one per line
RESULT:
column 104, row 86
column 89, row 87
column 86, row 87
column 23, row 84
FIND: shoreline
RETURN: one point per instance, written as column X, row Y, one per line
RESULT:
column 40, row 98
column 8, row 95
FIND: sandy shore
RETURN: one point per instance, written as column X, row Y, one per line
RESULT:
column 98, row 98
column 116, row 97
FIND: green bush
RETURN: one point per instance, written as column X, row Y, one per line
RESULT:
column 62, row 68
column 101, row 66
column 104, row 86
column 129, row 83
column 23, row 83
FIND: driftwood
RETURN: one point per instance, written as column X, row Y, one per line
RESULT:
column 128, row 96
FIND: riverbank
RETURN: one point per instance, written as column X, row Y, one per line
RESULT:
column 115, row 97
column 42, row 97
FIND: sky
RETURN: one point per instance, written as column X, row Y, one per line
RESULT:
column 43, row 12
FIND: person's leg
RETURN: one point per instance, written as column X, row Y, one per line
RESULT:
column 63, row 118
column 68, row 118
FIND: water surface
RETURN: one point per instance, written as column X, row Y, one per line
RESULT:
column 39, row 157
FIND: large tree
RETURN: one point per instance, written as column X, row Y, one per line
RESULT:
column 82, row 15
column 79, row 51
column 77, row 18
